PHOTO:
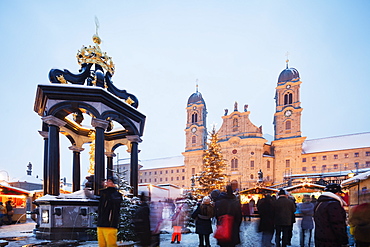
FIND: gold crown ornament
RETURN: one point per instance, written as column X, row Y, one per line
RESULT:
column 93, row 54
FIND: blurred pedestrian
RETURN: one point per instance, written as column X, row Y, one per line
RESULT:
column 284, row 219
column 266, row 225
column 245, row 211
column 108, row 213
column 203, row 225
column 227, row 203
column 2, row 213
column 251, row 204
column 330, row 218
column 359, row 220
column 306, row 209
column 9, row 211
column 141, row 220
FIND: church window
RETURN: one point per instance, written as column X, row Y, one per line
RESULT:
column 335, row 156
column 345, row 166
column 141, row 180
column 160, row 179
column 304, row 159
column 166, row 179
column 346, row 155
column 145, row 173
column 323, row 167
column 367, row 153
column 313, row 168
column 324, row 157
column 287, row 163
column 160, row 172
column 171, row 178
column 335, row 166
column 171, row 171
column 177, row 178
column 235, row 122
column 192, row 171
column 155, row 180
column 288, row 98
column 252, row 164
column 155, row 173
column 166, row 172
column 145, row 180
column 268, row 164
column 150, row 173
column 367, row 163
column 234, row 164
column 357, row 154
column 268, row 178
column 303, row 168
column 313, row 158
column 183, row 170
column 357, row 165
column 252, row 176
column 183, row 177
column 177, row 170
column 194, row 117
column 150, row 180
column 288, row 125
column 193, row 139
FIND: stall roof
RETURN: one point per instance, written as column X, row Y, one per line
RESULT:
column 356, row 179
column 8, row 190
column 259, row 190
column 306, row 185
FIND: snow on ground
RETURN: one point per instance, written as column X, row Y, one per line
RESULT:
column 249, row 236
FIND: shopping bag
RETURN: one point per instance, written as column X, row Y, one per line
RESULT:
column 224, row 228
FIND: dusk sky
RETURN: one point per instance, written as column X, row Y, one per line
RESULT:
column 235, row 51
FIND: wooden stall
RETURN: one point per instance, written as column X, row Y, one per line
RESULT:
column 18, row 197
column 305, row 188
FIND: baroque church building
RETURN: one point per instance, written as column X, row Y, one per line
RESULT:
column 251, row 158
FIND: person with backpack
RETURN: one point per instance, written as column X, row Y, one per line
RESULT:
column 203, row 224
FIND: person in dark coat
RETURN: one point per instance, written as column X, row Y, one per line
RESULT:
column 306, row 208
column 227, row 203
column 266, row 226
column 141, row 220
column 203, row 225
column 359, row 220
column 109, row 213
column 284, row 219
column 330, row 218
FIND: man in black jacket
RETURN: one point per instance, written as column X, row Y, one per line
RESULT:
column 108, row 213
column 330, row 218
column 284, row 218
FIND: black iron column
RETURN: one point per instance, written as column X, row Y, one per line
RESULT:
column 45, row 134
column 110, row 156
column 53, row 179
column 99, row 167
column 76, row 167
column 134, row 164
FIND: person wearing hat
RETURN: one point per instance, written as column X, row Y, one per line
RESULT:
column 108, row 213
column 284, row 218
column 203, row 225
column 330, row 218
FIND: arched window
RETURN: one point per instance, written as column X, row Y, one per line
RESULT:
column 235, row 122
column 288, row 98
column 268, row 164
column 234, row 164
column 288, row 125
column 194, row 117
column 193, row 139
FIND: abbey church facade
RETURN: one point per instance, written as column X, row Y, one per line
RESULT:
column 290, row 156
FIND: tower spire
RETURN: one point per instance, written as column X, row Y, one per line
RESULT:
column 196, row 87
column 287, row 59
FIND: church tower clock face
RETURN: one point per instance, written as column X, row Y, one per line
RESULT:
column 193, row 129
column 288, row 113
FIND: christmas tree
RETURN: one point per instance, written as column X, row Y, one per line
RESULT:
column 212, row 176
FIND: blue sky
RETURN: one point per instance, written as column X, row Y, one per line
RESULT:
column 236, row 50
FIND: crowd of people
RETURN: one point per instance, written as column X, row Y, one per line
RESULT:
column 6, row 213
column 324, row 223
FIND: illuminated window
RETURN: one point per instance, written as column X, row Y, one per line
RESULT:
column 346, row 155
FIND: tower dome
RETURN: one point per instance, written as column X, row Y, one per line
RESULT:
column 288, row 74
column 196, row 97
